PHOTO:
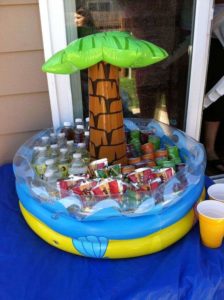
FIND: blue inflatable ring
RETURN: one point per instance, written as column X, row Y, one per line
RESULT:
column 111, row 232
column 110, row 228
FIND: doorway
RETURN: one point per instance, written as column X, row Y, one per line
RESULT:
column 171, row 91
column 158, row 91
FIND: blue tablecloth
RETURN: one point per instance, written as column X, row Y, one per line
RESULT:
column 32, row 269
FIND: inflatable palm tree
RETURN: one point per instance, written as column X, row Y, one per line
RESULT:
column 103, row 54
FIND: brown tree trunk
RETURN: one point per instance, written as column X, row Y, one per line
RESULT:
column 107, row 137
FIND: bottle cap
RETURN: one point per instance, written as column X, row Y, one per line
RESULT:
column 61, row 134
column 63, row 150
column 42, row 148
column 45, row 138
column 86, row 133
column 77, row 155
column 49, row 162
column 80, row 127
column 78, row 120
column 70, row 142
column 67, row 124
column 87, row 119
column 54, row 146
column 81, row 145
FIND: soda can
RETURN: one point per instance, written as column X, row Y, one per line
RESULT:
column 160, row 160
column 155, row 140
column 161, row 153
column 173, row 152
column 141, row 164
column 151, row 163
column 147, row 148
column 168, row 164
column 150, row 156
column 127, row 169
column 144, row 135
column 130, row 151
column 135, row 134
column 133, row 160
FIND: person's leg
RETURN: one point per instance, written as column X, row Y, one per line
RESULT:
column 213, row 115
column 210, row 133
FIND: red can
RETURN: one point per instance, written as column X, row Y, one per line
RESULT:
column 147, row 156
column 151, row 163
column 141, row 164
column 161, row 153
column 147, row 148
column 133, row 160
column 127, row 169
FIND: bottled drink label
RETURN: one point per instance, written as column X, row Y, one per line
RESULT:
column 40, row 169
column 63, row 169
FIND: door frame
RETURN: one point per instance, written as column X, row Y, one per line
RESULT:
column 54, row 39
column 52, row 15
column 204, row 12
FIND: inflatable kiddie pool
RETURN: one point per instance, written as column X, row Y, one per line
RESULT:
column 113, row 227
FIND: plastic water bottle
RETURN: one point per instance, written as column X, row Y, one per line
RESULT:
column 81, row 148
column 39, row 162
column 68, row 129
column 53, row 138
column 79, row 134
column 34, row 154
column 63, row 162
column 71, row 148
column 78, row 121
column 51, row 165
column 87, row 124
column 86, row 139
column 61, row 140
column 77, row 167
column 45, row 141
column 51, row 177
column 54, row 151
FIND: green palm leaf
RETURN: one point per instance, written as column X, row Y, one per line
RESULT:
column 117, row 48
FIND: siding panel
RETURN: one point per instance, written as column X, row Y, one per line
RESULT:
column 10, row 143
column 21, row 73
column 21, row 112
column 20, row 28
column 24, row 100
column 17, row 2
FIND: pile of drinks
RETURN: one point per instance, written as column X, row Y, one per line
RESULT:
column 144, row 149
column 62, row 160
column 57, row 156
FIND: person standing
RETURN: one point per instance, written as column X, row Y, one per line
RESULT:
column 214, row 114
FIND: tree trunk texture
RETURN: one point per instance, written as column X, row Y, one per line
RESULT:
column 107, row 137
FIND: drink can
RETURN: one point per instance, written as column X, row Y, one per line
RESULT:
column 155, row 140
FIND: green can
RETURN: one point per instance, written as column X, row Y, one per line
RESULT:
column 168, row 164
column 135, row 134
column 177, row 160
column 136, row 145
column 155, row 140
column 159, row 161
column 173, row 152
